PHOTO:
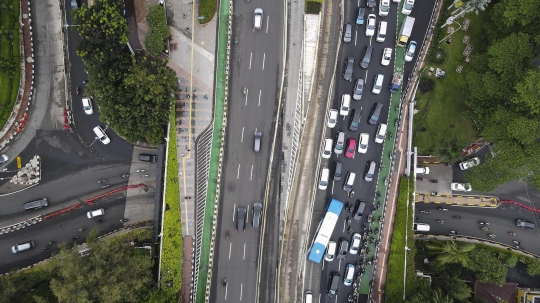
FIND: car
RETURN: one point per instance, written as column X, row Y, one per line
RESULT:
column 358, row 88
column 148, row 158
column 409, row 53
column 377, row 84
column 340, row 141
column 3, row 158
column 355, row 244
column 360, row 12
column 386, row 56
column 343, row 246
column 345, row 105
column 327, row 152
column 22, row 247
column 333, row 284
column 469, row 163
column 371, row 3
column 258, row 19
column 87, row 106
column 338, row 171
column 351, row 146
column 36, row 204
column 363, row 143
column 461, row 186
column 371, row 24
column 407, row 7
column 324, row 176
column 384, row 8
column 332, row 118
column 349, row 68
column 347, row 33
column 74, row 4
column 349, row 275
column 95, row 213
column 241, row 218
column 359, row 208
column 525, row 224
column 257, row 212
column 257, row 142
column 330, row 251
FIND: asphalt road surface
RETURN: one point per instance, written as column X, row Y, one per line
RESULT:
column 256, row 64
column 363, row 190
column 502, row 220
column 60, row 229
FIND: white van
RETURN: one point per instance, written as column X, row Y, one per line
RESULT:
column 345, row 105
column 381, row 33
column 323, row 180
column 101, row 135
column 421, row 227
column 349, row 181
column 309, row 297
column 377, row 84
column 422, row 170
column 22, row 247
column 381, row 133
column 330, row 251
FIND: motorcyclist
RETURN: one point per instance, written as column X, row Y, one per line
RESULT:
column 224, row 282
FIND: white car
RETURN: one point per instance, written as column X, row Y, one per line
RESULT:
column 330, row 251
column 407, row 7
column 345, row 105
column 340, row 141
column 469, row 163
column 386, row 56
column 95, row 213
column 461, row 186
column 363, row 143
column 384, row 8
column 370, row 26
column 327, row 152
column 3, row 158
column 87, row 106
column 258, row 19
column 332, row 118
column 355, row 244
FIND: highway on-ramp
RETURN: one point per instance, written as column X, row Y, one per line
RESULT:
column 256, row 64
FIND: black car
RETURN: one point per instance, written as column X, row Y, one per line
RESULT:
column 148, row 158
column 241, row 218
column 338, row 171
column 257, row 211
column 343, row 247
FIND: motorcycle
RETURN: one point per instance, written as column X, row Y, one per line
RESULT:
column 453, row 232
column 224, row 282
column 483, row 223
column 125, row 176
column 227, row 235
column 245, row 90
column 493, row 235
column 351, row 193
column 106, row 186
column 434, row 193
column 231, row 186
column 512, row 234
column 141, row 170
column 440, row 221
column 102, row 181
column 78, row 90
column 484, row 228
column 442, row 209
column 425, row 211
column 45, row 248
column 101, row 220
column 145, row 175
column 419, row 178
column 457, row 217
column 433, row 181
column 123, row 220
column 516, row 242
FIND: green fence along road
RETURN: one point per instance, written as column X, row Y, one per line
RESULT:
column 219, row 106
column 386, row 162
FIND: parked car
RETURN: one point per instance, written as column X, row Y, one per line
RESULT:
column 340, row 141
column 461, row 186
column 371, row 25
column 371, row 3
column 469, row 163
column 386, row 56
column 411, row 49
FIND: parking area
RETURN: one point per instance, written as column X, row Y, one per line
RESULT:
column 439, row 173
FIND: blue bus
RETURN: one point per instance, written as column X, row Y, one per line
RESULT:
column 325, row 229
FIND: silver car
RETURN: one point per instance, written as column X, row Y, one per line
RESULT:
column 257, row 212
column 409, row 53
column 358, row 88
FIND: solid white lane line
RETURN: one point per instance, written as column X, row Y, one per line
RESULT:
column 251, row 178
column 244, row 257
column 234, row 211
column 230, row 249
column 247, row 93
column 241, row 286
column 267, row 19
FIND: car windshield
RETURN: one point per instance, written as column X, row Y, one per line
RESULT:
column 408, row 6
column 384, row 8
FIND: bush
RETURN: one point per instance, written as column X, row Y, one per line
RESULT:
column 207, row 9
column 314, row 6
column 460, row 57
column 426, row 84
column 436, row 55
column 158, row 32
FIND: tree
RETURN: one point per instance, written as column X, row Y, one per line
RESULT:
column 486, row 266
column 437, row 296
column 478, row 5
column 158, row 32
column 528, row 92
column 112, row 272
column 450, row 251
column 509, row 56
column 455, row 288
column 448, row 150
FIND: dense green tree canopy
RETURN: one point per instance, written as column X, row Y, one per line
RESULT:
column 134, row 93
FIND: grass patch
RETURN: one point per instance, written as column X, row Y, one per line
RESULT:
column 207, row 9
column 9, row 56
column 402, row 226
column 172, row 256
column 442, row 112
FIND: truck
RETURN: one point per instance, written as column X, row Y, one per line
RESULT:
column 405, row 32
column 397, row 79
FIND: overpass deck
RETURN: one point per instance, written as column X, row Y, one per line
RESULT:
column 484, row 201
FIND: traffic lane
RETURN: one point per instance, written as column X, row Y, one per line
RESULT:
column 501, row 222
column 59, row 229
column 422, row 14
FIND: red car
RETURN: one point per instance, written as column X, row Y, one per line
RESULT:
column 351, row 147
